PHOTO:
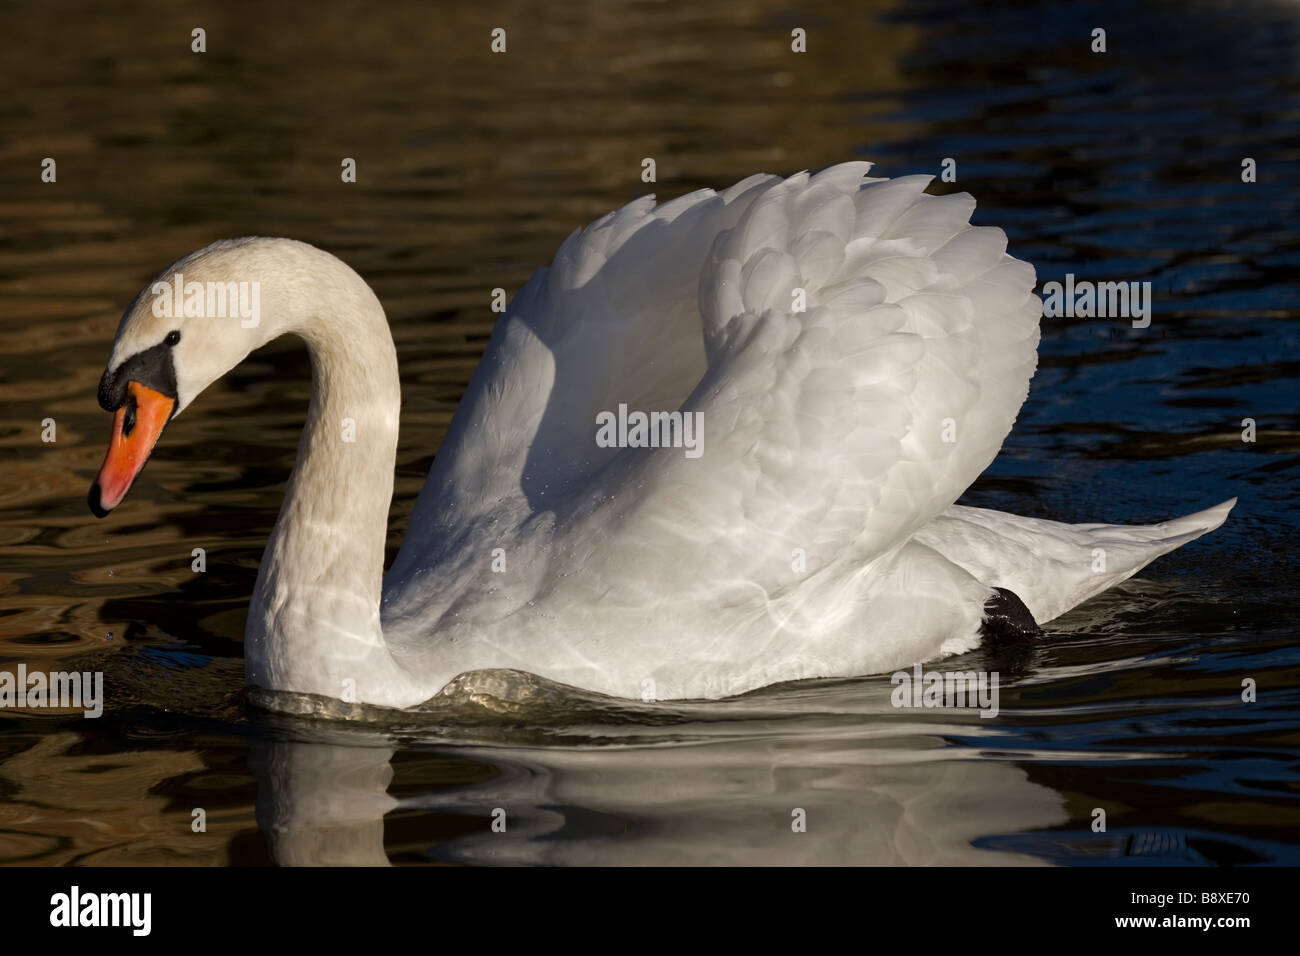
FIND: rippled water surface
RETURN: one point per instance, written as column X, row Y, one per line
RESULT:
column 1122, row 166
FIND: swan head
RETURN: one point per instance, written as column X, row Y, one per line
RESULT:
column 196, row 320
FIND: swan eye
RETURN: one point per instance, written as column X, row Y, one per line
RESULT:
column 172, row 337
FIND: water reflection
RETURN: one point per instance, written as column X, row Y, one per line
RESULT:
column 323, row 804
column 692, row 794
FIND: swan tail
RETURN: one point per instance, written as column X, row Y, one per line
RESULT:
column 1052, row 566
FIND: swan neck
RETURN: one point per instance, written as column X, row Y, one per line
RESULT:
column 314, row 624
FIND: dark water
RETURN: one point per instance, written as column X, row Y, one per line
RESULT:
column 1118, row 166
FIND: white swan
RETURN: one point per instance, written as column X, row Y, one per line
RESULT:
column 856, row 352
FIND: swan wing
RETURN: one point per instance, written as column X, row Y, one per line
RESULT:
column 866, row 351
column 614, row 317
column 854, row 350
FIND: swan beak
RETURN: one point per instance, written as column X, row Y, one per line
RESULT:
column 136, row 427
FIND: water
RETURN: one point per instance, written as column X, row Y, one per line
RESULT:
column 1122, row 166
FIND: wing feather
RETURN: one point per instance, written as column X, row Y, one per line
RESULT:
column 832, row 431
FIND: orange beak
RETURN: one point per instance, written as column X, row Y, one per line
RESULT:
column 136, row 427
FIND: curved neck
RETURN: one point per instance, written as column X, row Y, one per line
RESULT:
column 313, row 624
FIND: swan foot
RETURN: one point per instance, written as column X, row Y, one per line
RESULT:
column 1007, row 620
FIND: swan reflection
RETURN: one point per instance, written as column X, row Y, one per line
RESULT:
column 724, row 783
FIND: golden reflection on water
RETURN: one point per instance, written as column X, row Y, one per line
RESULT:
column 102, row 809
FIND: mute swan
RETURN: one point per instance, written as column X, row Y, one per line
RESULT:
column 853, row 351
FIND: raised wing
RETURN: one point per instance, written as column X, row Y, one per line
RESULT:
column 855, row 350
column 614, row 318
column 831, row 434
